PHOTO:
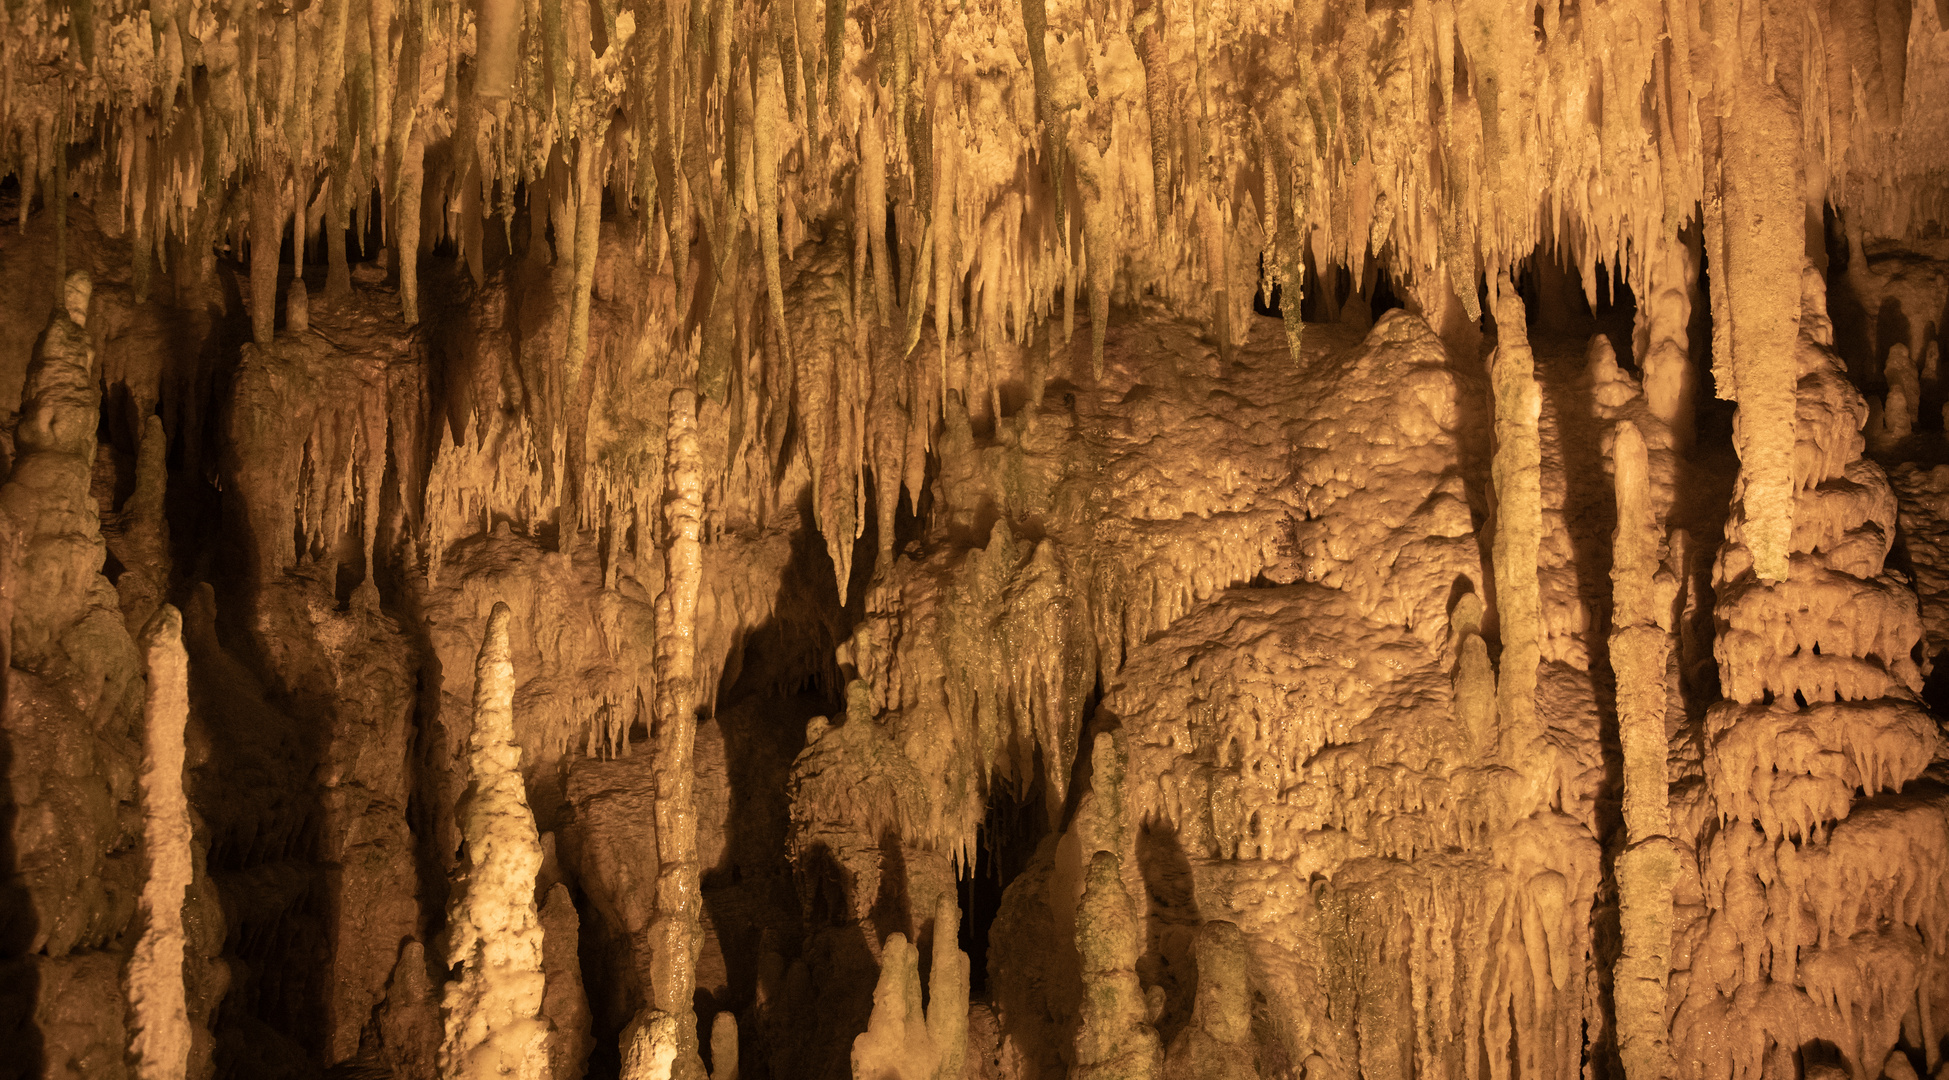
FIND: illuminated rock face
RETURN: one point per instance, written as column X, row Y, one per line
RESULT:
column 963, row 540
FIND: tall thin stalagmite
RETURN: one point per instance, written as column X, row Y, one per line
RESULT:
column 493, row 1008
column 1640, row 647
column 673, row 934
column 159, row 1036
column 1517, row 471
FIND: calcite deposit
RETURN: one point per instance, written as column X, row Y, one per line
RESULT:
column 974, row 540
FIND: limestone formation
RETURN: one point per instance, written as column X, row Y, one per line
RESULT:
column 158, row 1010
column 1640, row 648
column 906, row 1039
column 1114, row 1039
column 1333, row 539
column 1217, row 1043
column 673, row 932
column 1519, row 525
column 564, row 1003
column 1904, row 399
column 493, row 1009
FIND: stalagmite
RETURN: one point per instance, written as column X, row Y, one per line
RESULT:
column 1475, row 678
column 159, row 1039
column 1519, row 524
column 492, row 1009
column 904, row 1040
column 1640, row 647
column 1114, row 1039
column 1898, row 414
column 724, row 1047
column 673, row 934
column 650, row 1047
column 564, row 1004
column 1216, row 1044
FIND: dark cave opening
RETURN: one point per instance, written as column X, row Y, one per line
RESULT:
column 1006, row 841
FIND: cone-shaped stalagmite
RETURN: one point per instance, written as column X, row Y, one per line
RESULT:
column 492, row 1008
column 1217, row 1043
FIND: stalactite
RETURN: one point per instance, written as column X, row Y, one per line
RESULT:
column 1099, row 251
column 1663, row 334
column 145, row 531
column 492, row 1010
column 765, row 147
column 1519, row 524
column 871, row 216
column 406, row 225
column 1640, row 648
column 1035, row 26
column 499, row 37
column 1288, row 212
column 1755, row 223
column 1147, row 27
column 159, row 1041
column 266, row 226
column 673, row 934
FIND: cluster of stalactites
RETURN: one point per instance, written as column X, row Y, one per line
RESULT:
column 743, row 143
column 1128, row 157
